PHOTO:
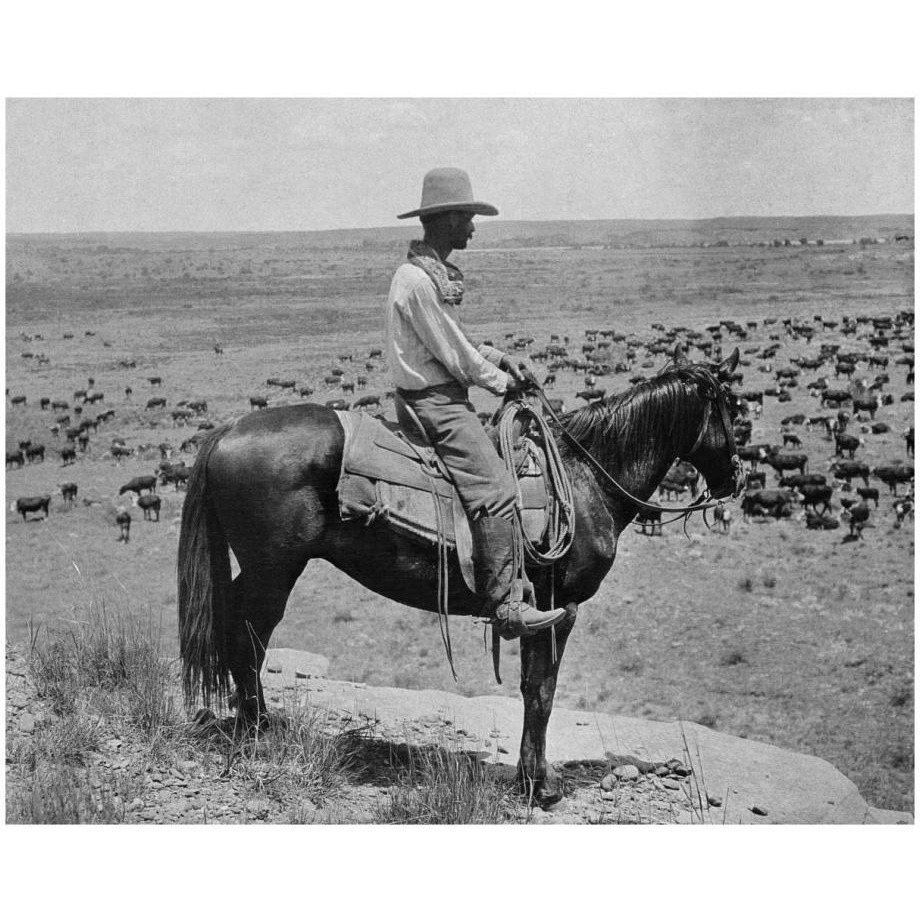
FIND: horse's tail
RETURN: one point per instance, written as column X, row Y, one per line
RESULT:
column 203, row 585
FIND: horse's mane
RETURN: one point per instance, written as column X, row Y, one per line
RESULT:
column 623, row 425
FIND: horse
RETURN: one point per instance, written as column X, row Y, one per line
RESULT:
column 265, row 487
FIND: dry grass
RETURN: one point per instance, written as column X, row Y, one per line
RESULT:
column 439, row 786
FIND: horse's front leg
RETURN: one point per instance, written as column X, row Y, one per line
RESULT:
column 538, row 687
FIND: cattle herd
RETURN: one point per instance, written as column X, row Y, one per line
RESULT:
column 850, row 373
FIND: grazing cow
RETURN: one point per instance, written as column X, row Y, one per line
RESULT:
column 287, row 385
column 375, row 353
column 866, row 404
column 123, row 520
column 857, row 516
column 802, row 479
column 18, row 400
column 150, row 505
column 791, row 439
column 340, row 404
column 891, row 475
column 366, row 401
column 157, row 402
column 866, row 493
column 902, row 508
column 198, row 405
column 69, row 492
column 835, row 396
column 15, row 459
column 258, row 402
column 306, row 391
column 816, row 495
column 33, row 505
column 138, row 484
column 650, row 522
column 331, row 380
column 178, row 474
column 846, row 442
column 722, row 515
column 348, row 387
column 180, row 416
column 93, row 398
column 849, row 470
column 155, row 381
column 781, row 462
column 68, row 456
column 880, row 428
column 120, row 450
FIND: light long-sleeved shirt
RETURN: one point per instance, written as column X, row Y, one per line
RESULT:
column 425, row 344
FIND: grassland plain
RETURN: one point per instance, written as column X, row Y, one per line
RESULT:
column 773, row 632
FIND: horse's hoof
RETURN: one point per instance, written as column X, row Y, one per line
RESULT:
column 543, row 792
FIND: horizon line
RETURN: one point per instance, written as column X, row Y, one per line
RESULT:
column 569, row 220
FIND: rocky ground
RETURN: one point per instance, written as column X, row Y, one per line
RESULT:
column 616, row 770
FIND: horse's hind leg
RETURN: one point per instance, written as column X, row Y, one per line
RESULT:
column 256, row 608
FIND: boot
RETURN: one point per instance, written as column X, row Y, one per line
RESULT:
column 496, row 582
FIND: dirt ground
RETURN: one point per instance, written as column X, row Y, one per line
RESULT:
column 772, row 632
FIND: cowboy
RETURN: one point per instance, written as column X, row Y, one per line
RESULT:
column 433, row 364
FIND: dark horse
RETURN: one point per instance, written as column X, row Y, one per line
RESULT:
column 265, row 486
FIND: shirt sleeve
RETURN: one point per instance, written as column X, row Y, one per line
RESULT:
column 492, row 354
column 445, row 340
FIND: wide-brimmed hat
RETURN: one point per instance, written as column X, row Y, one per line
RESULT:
column 448, row 189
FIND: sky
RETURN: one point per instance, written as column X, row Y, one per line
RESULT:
column 225, row 164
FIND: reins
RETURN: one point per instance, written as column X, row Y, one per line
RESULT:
column 682, row 511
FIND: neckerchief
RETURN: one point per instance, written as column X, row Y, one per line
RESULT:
column 447, row 278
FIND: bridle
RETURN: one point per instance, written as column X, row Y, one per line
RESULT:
column 682, row 511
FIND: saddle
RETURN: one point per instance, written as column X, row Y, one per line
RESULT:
column 389, row 476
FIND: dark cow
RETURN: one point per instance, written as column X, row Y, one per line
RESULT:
column 176, row 473
column 375, row 353
column 902, row 508
column 157, row 402
column 69, row 492
column 816, row 495
column 549, row 381
column 18, row 400
column 138, row 484
column 340, row 404
column 123, row 520
column 857, row 516
column 362, row 381
column 722, row 515
column 155, row 381
column 846, row 442
column 791, row 439
column 331, row 380
column 893, row 474
column 802, row 479
column 836, row 396
column 150, row 505
column 68, row 456
column 306, row 391
column 850, row 469
column 780, row 461
column 258, row 402
column 909, row 441
column 757, row 480
column 815, row 521
column 868, row 493
column 591, row 395
column 366, row 401
column 775, row 502
column 121, row 450
column 33, row 505
column 15, row 459
column 866, row 404
column 44, row 402
column 348, row 386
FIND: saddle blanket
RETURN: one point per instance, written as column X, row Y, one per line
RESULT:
column 386, row 477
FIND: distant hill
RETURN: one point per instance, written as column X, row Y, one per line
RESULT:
column 509, row 234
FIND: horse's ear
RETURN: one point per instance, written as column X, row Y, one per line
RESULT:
column 679, row 356
column 727, row 367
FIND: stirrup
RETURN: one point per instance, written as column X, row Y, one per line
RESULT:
column 517, row 624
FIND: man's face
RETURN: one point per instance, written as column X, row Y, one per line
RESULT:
column 462, row 229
